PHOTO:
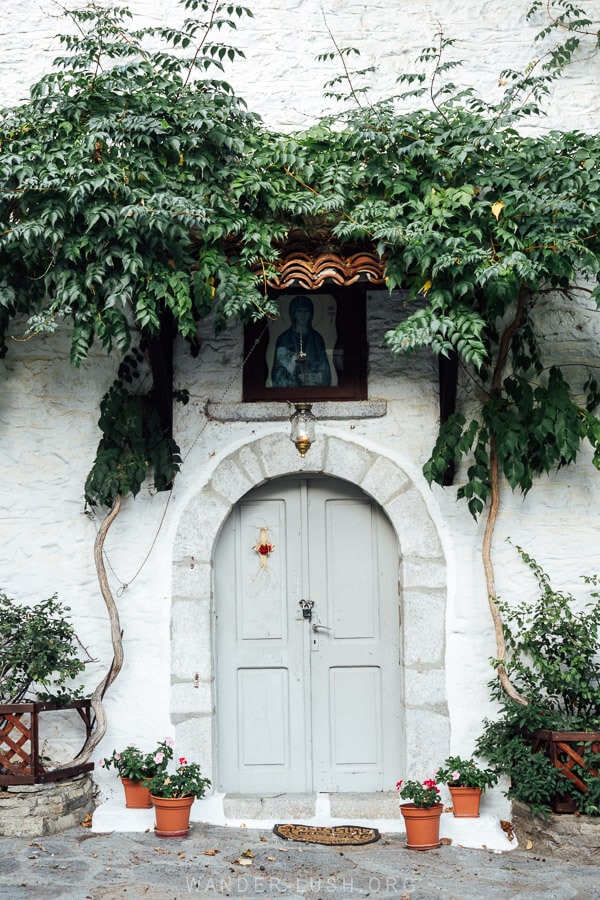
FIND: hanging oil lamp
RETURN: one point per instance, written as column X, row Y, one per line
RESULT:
column 302, row 427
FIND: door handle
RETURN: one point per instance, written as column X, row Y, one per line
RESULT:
column 318, row 627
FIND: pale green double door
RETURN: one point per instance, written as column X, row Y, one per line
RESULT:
column 308, row 704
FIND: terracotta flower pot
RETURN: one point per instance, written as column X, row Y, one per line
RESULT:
column 422, row 826
column 172, row 815
column 465, row 802
column 136, row 795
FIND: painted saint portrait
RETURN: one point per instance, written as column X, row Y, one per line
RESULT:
column 314, row 349
column 302, row 354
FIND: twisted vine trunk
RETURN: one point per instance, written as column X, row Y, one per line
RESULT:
column 486, row 550
column 98, row 714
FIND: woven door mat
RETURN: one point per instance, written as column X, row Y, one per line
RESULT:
column 339, row 835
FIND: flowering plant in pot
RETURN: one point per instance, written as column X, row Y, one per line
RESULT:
column 134, row 766
column 424, row 794
column 422, row 814
column 466, row 782
column 172, row 795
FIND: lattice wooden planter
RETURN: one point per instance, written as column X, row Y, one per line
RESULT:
column 20, row 759
column 566, row 750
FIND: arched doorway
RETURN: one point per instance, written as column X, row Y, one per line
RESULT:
column 308, row 685
column 422, row 576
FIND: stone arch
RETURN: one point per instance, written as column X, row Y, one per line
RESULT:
column 422, row 580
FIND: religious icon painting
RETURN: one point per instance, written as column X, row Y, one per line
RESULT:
column 314, row 350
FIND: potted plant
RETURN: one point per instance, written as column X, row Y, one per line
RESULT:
column 422, row 814
column 466, row 782
column 172, row 795
column 549, row 746
column 134, row 766
column 41, row 657
column 39, row 650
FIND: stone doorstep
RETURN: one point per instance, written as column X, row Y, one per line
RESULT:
column 266, row 810
column 288, row 807
column 383, row 805
column 269, row 806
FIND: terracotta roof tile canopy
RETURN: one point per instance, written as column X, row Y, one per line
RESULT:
column 310, row 272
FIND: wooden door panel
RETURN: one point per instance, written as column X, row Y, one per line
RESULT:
column 263, row 718
column 355, row 666
column 260, row 682
column 355, row 717
column 351, row 579
column 261, row 590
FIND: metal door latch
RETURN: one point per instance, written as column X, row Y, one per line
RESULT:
column 307, row 608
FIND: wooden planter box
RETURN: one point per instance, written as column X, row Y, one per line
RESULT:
column 566, row 749
column 20, row 760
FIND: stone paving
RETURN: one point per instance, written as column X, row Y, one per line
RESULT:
column 215, row 861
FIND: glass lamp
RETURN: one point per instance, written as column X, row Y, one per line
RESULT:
column 303, row 427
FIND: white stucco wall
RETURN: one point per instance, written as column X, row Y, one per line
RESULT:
column 48, row 412
column 280, row 78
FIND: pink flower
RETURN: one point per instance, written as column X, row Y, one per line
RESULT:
column 159, row 757
column 101, row 763
column 398, row 785
column 455, row 776
column 117, row 756
column 169, row 741
column 182, row 761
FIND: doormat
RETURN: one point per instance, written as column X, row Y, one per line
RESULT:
column 339, row 835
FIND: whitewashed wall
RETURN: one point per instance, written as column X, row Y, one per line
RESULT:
column 280, row 78
column 48, row 412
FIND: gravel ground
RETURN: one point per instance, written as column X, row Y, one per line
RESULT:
column 243, row 863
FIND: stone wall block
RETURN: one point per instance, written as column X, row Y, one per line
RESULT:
column 384, row 480
column 195, row 741
column 191, row 580
column 421, row 538
column 29, row 827
column 427, row 742
column 230, row 481
column 34, row 810
column 280, row 457
column 347, row 460
column 425, row 687
column 424, row 627
column 192, row 697
column 196, row 532
column 251, row 465
column 9, row 801
column 190, row 640
column 427, row 573
column 568, row 837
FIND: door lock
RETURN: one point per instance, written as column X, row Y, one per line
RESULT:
column 307, row 608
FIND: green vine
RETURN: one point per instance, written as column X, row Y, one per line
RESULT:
column 137, row 185
column 133, row 440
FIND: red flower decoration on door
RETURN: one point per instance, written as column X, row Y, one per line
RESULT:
column 264, row 547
